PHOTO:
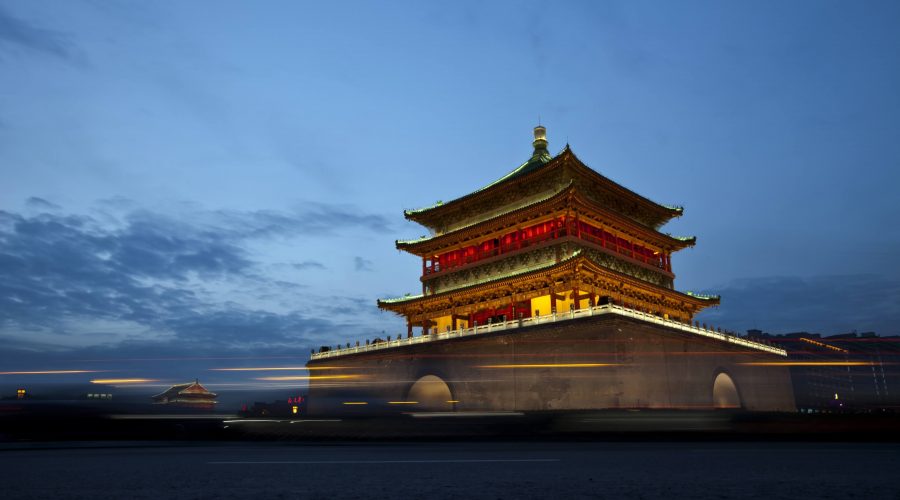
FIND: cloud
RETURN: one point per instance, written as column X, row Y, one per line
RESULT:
column 308, row 264
column 821, row 304
column 15, row 32
column 307, row 218
column 362, row 265
column 147, row 271
column 36, row 203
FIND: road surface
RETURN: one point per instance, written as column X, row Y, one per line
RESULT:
column 496, row 470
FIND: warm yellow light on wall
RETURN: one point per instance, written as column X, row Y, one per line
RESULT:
column 550, row 365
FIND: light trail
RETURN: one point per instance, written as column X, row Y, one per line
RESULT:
column 310, row 377
column 190, row 358
column 276, row 368
column 355, row 403
column 467, row 414
column 550, row 365
column 808, row 363
column 115, row 381
column 51, row 372
column 403, row 402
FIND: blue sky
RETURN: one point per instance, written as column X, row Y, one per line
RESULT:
column 226, row 179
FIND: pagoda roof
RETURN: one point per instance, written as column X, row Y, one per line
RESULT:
column 190, row 389
column 543, row 162
column 403, row 244
column 425, row 244
column 576, row 259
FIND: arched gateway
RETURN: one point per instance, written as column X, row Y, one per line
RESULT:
column 725, row 393
column 431, row 393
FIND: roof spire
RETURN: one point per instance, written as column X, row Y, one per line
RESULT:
column 540, row 140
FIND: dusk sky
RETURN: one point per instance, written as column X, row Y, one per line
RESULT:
column 192, row 185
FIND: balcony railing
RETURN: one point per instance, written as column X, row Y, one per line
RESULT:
column 552, row 318
column 608, row 242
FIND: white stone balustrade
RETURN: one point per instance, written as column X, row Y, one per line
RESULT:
column 552, row 318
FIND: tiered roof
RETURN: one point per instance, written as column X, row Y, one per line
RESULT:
column 643, row 210
column 577, row 261
column 541, row 189
column 570, row 196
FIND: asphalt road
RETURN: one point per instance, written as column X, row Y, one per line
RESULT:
column 507, row 470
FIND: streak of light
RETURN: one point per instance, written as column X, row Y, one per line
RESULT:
column 467, row 414
column 353, row 403
column 51, row 372
column 192, row 358
column 171, row 417
column 122, row 380
column 311, row 377
column 312, row 421
column 403, row 402
column 250, row 421
column 276, row 368
column 453, row 401
column 550, row 365
column 808, row 363
column 822, row 344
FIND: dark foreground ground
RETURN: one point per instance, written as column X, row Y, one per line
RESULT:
column 68, row 423
column 433, row 470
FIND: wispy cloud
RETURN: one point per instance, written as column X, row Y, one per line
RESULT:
column 36, row 203
column 308, row 264
column 361, row 264
column 18, row 33
column 153, row 271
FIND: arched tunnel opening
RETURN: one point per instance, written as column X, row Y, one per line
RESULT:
column 725, row 393
column 431, row 393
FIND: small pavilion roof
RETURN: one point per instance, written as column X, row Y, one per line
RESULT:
column 191, row 388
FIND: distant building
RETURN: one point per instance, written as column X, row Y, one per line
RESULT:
column 192, row 395
column 841, row 373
